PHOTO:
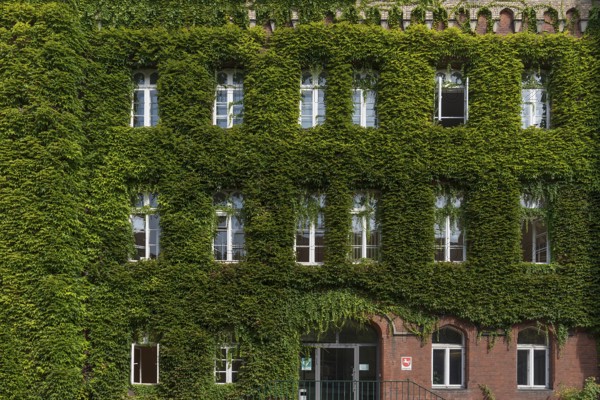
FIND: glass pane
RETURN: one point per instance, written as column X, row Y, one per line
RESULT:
column 302, row 254
column 541, row 241
column 455, row 367
column 527, row 242
column 539, row 367
column 153, row 107
column 302, row 238
column 138, row 107
column 531, row 336
column 153, row 200
column 222, row 78
column 306, row 109
column 522, row 361
column 456, row 241
column 307, row 78
column 320, row 106
column 356, row 99
column 220, row 245
column 221, row 377
column 238, row 78
column 371, row 109
column 437, row 377
column 154, row 78
column 139, row 78
column 447, row 336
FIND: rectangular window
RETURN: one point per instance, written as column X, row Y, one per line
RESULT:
column 364, row 97
column 535, row 245
column 229, row 240
column 449, row 232
column 227, row 364
column 144, row 110
column 144, row 364
column 229, row 99
column 145, row 222
column 451, row 106
column 310, row 235
column 366, row 234
column 535, row 105
column 312, row 98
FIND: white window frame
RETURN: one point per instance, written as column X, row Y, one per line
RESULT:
column 314, row 88
column 361, row 109
column 133, row 363
column 534, row 84
column 230, row 86
column 312, row 227
column 531, row 348
column 148, row 89
column 450, row 80
column 441, row 201
column 229, row 212
column 147, row 210
column 366, row 219
column 447, row 347
column 228, row 361
column 530, row 203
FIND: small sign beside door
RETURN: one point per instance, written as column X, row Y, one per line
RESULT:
column 406, row 363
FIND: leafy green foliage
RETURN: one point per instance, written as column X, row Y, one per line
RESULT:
column 69, row 165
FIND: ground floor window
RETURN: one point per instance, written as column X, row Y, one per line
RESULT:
column 227, row 364
column 448, row 356
column 144, row 364
column 532, row 359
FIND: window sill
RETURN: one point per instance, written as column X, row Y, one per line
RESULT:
column 533, row 388
column 443, row 387
column 309, row 263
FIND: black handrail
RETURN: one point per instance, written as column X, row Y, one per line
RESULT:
column 344, row 390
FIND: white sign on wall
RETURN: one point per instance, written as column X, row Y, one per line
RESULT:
column 406, row 363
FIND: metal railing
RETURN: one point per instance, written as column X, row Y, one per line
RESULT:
column 344, row 390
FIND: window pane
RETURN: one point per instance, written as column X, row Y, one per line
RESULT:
column 356, row 99
column 221, row 377
column 139, row 78
column 539, row 367
column 153, row 107
column 455, row 366
column 138, row 107
column 541, row 241
column 527, row 241
column 532, row 336
column 371, row 110
column 321, row 106
column 438, row 366
column 447, row 336
column 306, row 109
column 302, row 254
column 456, row 241
column 522, row 361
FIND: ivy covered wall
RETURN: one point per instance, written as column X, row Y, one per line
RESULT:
column 70, row 165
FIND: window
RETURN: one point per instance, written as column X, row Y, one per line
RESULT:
column 145, row 222
column 532, row 359
column 227, row 364
column 312, row 102
column 449, row 233
column 448, row 355
column 229, row 240
column 229, row 106
column 145, row 99
column 364, row 98
column 144, row 364
column 366, row 236
column 451, row 98
column 534, row 232
column 535, row 107
column 311, row 230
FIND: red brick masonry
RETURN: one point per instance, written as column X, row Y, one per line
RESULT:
column 485, row 364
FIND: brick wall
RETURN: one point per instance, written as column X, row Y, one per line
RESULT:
column 492, row 365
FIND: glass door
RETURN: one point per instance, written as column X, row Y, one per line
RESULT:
column 337, row 373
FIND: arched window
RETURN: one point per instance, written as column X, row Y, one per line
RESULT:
column 535, row 105
column 451, row 98
column 145, row 222
column 144, row 110
column 447, row 358
column 229, row 99
column 532, row 359
column 573, row 22
column 310, row 233
column 506, row 24
column 312, row 102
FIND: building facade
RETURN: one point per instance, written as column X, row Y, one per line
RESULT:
column 313, row 201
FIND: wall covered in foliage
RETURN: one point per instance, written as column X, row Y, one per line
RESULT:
column 70, row 164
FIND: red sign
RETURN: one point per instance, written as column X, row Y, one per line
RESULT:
column 406, row 363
